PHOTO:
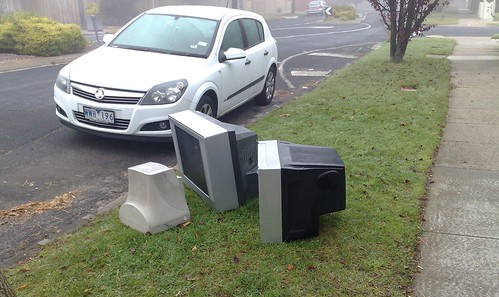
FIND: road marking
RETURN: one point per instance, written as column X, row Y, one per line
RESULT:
column 333, row 55
column 298, row 27
column 365, row 27
column 283, row 63
column 309, row 72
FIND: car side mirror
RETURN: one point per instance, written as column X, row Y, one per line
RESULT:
column 231, row 54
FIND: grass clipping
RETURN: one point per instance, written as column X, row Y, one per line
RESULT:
column 31, row 208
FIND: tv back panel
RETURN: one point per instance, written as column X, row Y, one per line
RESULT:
column 216, row 159
column 297, row 184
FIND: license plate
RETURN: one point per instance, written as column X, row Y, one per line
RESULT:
column 98, row 115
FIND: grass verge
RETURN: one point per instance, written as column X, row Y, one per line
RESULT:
column 385, row 121
column 442, row 18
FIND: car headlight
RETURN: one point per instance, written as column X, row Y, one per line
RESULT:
column 62, row 83
column 165, row 93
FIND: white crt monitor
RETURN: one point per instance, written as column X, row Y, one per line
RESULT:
column 217, row 160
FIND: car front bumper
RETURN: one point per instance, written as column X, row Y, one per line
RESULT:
column 131, row 121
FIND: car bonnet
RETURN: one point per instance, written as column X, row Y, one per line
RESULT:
column 131, row 69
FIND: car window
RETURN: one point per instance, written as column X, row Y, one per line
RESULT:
column 254, row 31
column 233, row 37
column 167, row 33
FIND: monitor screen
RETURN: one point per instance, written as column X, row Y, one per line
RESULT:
column 192, row 161
column 297, row 183
column 217, row 160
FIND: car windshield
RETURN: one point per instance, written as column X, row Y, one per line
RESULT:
column 178, row 35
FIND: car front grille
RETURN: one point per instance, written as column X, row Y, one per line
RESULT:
column 119, row 124
column 110, row 95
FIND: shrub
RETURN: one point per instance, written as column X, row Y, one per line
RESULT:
column 7, row 42
column 29, row 34
column 344, row 12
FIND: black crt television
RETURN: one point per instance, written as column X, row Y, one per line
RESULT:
column 297, row 184
column 217, row 160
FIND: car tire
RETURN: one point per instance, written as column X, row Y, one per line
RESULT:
column 206, row 105
column 267, row 94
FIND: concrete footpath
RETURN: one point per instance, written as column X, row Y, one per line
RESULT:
column 460, row 243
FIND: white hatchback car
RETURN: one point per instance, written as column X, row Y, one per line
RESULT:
column 168, row 59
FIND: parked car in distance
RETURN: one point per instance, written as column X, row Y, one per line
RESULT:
column 168, row 59
column 316, row 7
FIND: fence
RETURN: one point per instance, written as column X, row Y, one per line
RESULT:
column 73, row 11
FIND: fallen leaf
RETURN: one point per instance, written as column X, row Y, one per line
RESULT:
column 290, row 267
column 60, row 202
column 185, row 224
column 236, row 260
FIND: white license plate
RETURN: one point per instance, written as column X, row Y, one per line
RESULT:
column 98, row 115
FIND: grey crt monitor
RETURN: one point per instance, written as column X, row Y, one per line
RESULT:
column 217, row 160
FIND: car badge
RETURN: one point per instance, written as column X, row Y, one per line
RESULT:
column 99, row 94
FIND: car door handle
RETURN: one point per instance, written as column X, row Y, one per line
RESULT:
column 248, row 61
column 265, row 53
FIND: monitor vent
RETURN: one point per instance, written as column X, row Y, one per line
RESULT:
column 248, row 156
column 313, row 155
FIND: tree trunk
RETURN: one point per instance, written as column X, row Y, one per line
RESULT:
column 393, row 44
column 393, row 29
column 5, row 288
column 402, row 43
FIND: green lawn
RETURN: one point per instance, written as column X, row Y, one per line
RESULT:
column 442, row 18
column 385, row 121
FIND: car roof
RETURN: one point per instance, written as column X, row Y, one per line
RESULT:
column 208, row 12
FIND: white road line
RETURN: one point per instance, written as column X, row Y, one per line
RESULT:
column 366, row 26
column 310, row 73
column 283, row 63
column 333, row 55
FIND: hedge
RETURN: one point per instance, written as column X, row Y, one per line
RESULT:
column 28, row 34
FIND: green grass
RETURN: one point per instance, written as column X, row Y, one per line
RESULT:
column 438, row 18
column 385, row 121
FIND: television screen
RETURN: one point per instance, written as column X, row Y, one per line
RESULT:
column 192, row 161
column 297, row 183
column 217, row 160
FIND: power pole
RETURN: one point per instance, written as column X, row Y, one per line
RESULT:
column 81, row 13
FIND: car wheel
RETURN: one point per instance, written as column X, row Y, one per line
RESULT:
column 267, row 94
column 207, row 106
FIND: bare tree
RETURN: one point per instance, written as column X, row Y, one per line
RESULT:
column 404, row 19
column 5, row 288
